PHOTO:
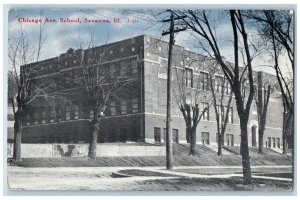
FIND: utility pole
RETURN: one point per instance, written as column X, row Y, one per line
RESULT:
column 169, row 153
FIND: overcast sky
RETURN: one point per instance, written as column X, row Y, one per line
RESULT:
column 59, row 37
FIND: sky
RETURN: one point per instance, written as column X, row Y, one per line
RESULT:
column 59, row 37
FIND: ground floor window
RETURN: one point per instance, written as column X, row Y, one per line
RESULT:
column 274, row 142
column 51, row 114
column 205, row 138
column 229, row 139
column 269, row 142
column 278, row 143
column 157, row 134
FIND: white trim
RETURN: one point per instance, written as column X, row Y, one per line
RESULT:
column 152, row 61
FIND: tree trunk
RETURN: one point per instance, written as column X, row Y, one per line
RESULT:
column 93, row 140
column 220, row 144
column 192, row 141
column 247, row 179
column 188, row 135
column 286, row 131
column 17, row 139
column 284, row 144
column 260, row 141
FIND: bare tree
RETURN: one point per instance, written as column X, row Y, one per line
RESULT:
column 262, row 101
column 277, row 29
column 198, row 21
column 100, row 83
column 23, row 88
column 193, row 98
column 221, row 94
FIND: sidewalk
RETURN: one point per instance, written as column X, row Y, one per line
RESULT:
column 192, row 175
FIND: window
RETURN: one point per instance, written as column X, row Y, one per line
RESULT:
column 204, row 81
column 91, row 114
column 51, row 116
column 227, row 87
column 220, row 111
column 133, row 49
column 134, row 69
column 218, row 84
column 27, row 119
column 36, row 117
column 135, row 105
column 274, row 142
column 111, row 52
column 59, row 114
column 229, row 139
column 112, row 69
column 188, row 77
column 157, row 135
column 163, row 67
column 133, row 40
column 122, row 49
column 205, row 138
column 112, row 108
column 43, row 117
column 123, row 107
column 122, row 69
column 269, row 142
column 68, row 113
column 76, row 112
column 205, row 115
column 278, row 143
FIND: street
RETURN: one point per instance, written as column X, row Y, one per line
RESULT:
column 180, row 179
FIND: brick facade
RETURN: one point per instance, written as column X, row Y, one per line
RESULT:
column 139, row 112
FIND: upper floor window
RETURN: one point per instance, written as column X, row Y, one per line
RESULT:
column 188, row 77
column 134, row 66
column 36, row 117
column 135, row 105
column 68, row 113
column 123, row 69
column 76, row 112
column 51, row 114
column 91, row 114
column 222, row 111
column 112, row 108
column 59, row 114
column 222, row 85
column 27, row 119
column 218, row 83
column 204, row 85
column 123, row 107
column 205, row 110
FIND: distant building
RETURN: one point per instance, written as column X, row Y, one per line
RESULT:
column 138, row 114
